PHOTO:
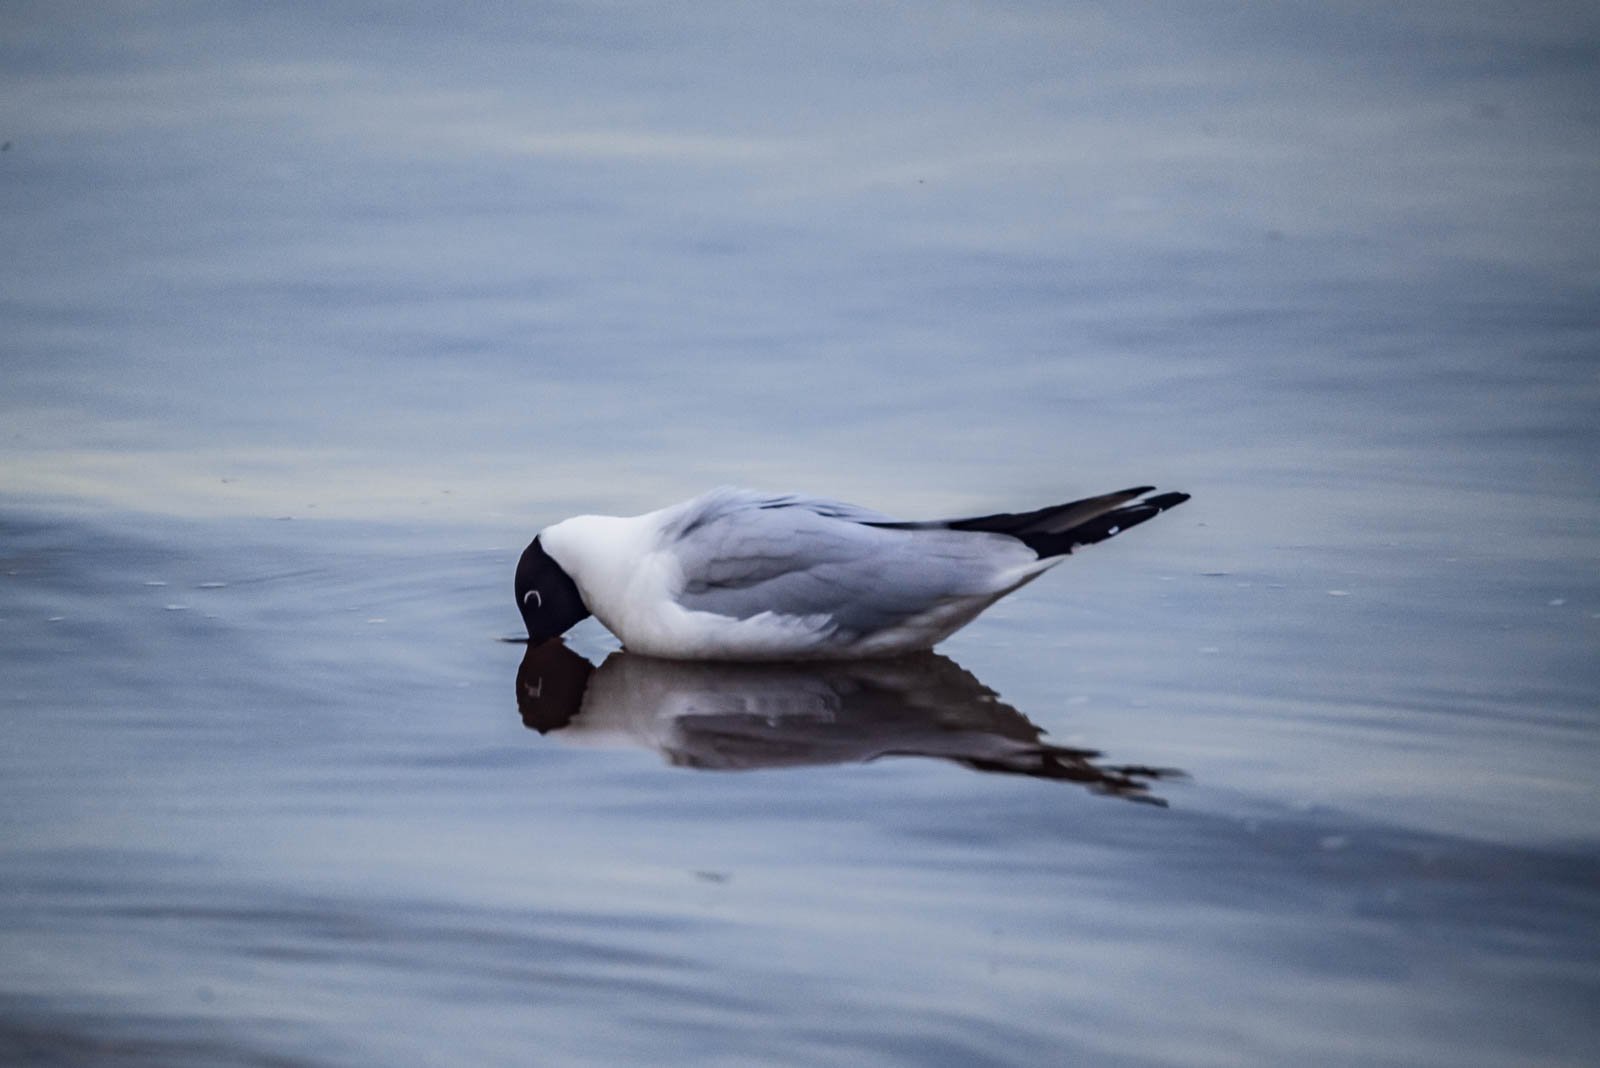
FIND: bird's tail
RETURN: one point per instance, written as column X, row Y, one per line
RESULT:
column 1061, row 528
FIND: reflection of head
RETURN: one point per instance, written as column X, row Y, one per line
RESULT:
column 550, row 685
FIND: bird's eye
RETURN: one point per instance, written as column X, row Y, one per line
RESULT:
column 538, row 602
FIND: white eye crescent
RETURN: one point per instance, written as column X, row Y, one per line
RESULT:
column 538, row 602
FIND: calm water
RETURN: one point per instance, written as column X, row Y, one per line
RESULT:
column 312, row 319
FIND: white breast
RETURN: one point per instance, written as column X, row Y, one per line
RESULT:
column 616, row 563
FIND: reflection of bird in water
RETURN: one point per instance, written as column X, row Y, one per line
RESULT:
column 728, row 716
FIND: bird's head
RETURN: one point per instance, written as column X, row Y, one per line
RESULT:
column 546, row 595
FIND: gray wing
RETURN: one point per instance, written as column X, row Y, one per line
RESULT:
column 804, row 557
column 729, row 500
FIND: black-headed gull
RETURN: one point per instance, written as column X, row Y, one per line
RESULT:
column 740, row 575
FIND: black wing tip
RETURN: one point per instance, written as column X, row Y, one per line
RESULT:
column 1162, row 501
column 1103, row 526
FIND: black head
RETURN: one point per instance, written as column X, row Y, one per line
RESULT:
column 546, row 595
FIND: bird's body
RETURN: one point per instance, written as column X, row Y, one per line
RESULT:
column 740, row 575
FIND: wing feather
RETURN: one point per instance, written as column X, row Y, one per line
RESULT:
column 796, row 556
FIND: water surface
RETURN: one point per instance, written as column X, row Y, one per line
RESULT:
column 313, row 318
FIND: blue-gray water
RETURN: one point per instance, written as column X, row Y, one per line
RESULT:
column 313, row 316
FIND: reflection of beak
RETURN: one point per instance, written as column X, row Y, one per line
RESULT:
column 550, row 685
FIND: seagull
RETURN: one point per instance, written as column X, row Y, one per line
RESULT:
column 736, row 574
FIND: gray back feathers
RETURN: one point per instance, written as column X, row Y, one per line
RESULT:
column 749, row 553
